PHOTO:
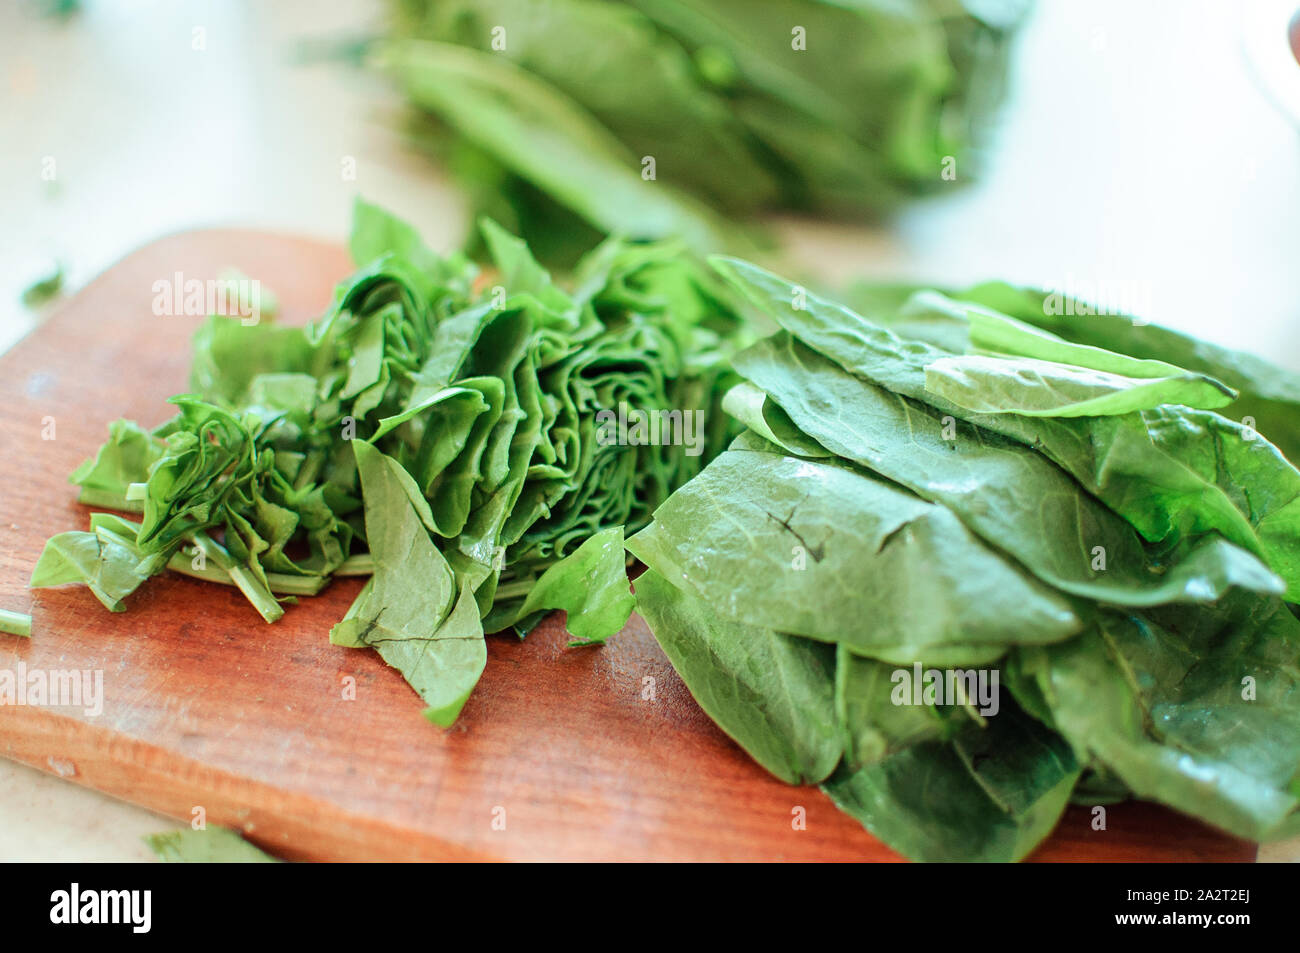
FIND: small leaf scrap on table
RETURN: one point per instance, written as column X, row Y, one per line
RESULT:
column 438, row 430
column 208, row 845
column 971, row 561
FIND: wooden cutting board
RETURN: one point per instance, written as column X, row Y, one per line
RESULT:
column 572, row 754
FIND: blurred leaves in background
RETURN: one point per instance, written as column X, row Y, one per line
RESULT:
column 567, row 119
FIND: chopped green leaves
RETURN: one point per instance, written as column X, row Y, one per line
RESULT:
column 44, row 289
column 440, row 433
column 112, row 565
column 591, row 585
column 125, row 459
column 15, row 623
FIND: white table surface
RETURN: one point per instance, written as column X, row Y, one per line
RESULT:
column 1138, row 147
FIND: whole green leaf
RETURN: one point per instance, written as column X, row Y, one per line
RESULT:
column 411, row 611
column 1201, row 712
column 989, row 330
column 772, row 693
column 1007, row 494
column 1175, row 474
column 1270, row 395
column 988, row 384
column 990, row 794
column 829, row 552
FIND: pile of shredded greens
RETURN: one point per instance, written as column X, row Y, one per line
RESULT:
column 439, row 430
column 568, row 119
column 973, row 559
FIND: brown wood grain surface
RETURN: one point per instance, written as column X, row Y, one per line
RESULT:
column 586, row 754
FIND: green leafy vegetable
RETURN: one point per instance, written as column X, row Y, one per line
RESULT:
column 412, row 610
column 1012, row 497
column 988, row 794
column 814, row 548
column 1051, row 377
column 539, row 135
column 872, row 727
column 770, row 692
column 1200, row 713
column 1270, row 396
column 997, row 385
column 441, row 429
column 591, row 585
column 963, row 503
column 43, row 290
column 642, row 117
column 1174, row 473
column 212, row 845
column 112, row 565
column 125, row 459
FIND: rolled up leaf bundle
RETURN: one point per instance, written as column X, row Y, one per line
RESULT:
column 462, row 438
column 648, row 118
column 960, row 569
